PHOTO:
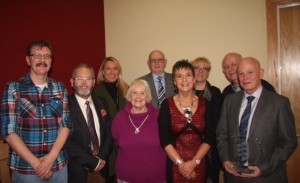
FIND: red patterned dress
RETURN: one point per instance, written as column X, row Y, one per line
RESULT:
column 188, row 139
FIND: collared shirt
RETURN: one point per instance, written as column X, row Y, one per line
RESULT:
column 36, row 116
column 83, row 107
column 236, row 89
column 256, row 96
column 156, row 81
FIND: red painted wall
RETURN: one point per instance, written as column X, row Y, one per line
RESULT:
column 74, row 28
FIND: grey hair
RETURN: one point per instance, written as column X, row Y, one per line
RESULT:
column 142, row 83
column 83, row 66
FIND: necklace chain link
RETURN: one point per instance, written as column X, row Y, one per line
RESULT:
column 137, row 129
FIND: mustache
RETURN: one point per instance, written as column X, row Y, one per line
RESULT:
column 41, row 64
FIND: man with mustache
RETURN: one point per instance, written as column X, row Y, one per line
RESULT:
column 90, row 142
column 35, row 121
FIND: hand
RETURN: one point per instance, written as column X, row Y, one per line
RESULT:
column 228, row 167
column 101, row 165
column 187, row 168
column 43, row 170
column 192, row 176
column 256, row 172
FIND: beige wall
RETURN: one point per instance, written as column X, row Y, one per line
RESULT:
column 184, row 29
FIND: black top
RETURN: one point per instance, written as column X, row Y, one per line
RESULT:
column 216, row 103
column 113, row 91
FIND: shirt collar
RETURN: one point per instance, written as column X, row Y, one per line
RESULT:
column 256, row 94
column 81, row 101
column 155, row 76
column 30, row 84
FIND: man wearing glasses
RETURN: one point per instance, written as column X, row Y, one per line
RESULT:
column 35, row 121
column 90, row 142
column 160, row 82
column 229, row 65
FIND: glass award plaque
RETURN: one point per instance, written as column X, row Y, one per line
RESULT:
column 245, row 152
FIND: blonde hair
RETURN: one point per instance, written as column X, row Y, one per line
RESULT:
column 201, row 59
column 121, row 83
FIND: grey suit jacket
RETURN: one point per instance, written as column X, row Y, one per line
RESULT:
column 272, row 132
column 169, row 87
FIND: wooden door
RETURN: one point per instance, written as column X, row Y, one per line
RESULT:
column 283, row 25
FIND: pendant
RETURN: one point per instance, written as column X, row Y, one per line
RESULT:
column 137, row 130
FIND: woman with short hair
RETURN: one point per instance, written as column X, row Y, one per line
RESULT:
column 135, row 130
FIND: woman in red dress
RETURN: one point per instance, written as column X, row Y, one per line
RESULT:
column 185, row 128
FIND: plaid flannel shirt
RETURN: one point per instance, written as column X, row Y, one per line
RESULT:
column 36, row 116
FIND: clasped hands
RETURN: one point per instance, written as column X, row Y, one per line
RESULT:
column 187, row 169
column 43, row 169
column 256, row 171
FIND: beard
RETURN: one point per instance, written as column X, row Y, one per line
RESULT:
column 83, row 91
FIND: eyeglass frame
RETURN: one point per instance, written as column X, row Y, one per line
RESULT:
column 81, row 79
column 41, row 56
column 159, row 60
column 201, row 69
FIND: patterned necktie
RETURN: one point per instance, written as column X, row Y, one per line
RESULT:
column 91, row 125
column 243, row 131
column 161, row 91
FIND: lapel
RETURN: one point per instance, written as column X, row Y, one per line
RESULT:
column 104, row 93
column 169, row 87
column 76, row 111
column 153, row 90
column 152, row 85
column 235, row 110
column 98, row 111
column 257, row 113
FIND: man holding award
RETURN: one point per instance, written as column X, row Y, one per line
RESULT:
column 256, row 132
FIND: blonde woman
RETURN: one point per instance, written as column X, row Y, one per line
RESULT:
column 114, row 89
column 203, row 88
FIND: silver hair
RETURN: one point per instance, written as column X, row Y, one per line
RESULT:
column 142, row 83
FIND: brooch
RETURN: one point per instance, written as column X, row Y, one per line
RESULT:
column 103, row 113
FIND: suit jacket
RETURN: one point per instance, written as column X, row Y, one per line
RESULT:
column 272, row 135
column 169, row 87
column 78, row 144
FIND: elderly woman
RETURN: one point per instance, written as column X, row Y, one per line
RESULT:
column 204, row 89
column 114, row 89
column 185, row 127
column 135, row 130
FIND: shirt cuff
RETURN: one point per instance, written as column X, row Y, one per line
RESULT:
column 98, row 163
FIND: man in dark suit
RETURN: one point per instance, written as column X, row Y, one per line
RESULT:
column 270, row 135
column 157, row 64
column 229, row 65
column 90, row 142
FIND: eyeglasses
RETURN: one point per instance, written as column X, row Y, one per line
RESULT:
column 159, row 60
column 201, row 69
column 39, row 56
column 81, row 79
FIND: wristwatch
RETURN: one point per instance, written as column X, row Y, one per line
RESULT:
column 197, row 160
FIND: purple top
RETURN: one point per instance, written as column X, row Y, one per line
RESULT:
column 140, row 156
